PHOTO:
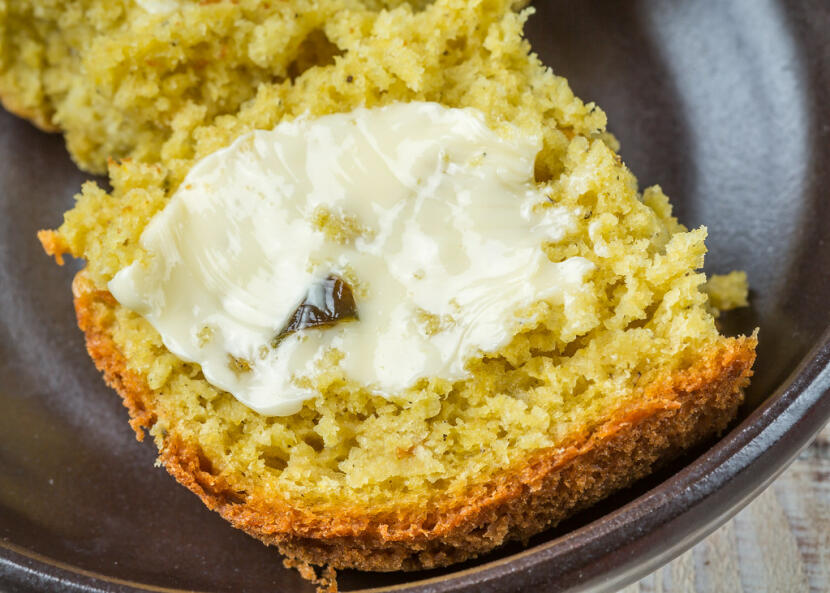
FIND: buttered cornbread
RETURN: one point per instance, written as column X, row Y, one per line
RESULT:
column 134, row 78
column 604, row 371
column 426, row 222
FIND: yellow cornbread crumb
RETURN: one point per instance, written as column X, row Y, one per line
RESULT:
column 642, row 312
column 728, row 291
column 431, row 324
column 340, row 228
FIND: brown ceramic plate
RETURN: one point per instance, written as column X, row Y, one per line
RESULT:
column 723, row 103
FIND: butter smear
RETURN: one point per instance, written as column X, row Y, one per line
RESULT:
column 432, row 218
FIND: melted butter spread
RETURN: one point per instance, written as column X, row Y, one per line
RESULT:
column 159, row 6
column 433, row 218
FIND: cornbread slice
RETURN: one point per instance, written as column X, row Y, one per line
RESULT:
column 585, row 402
column 125, row 78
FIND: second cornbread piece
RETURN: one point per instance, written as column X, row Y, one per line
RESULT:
column 130, row 78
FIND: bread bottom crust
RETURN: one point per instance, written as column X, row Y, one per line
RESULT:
column 12, row 103
column 675, row 412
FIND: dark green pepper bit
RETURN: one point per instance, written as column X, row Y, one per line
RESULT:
column 325, row 303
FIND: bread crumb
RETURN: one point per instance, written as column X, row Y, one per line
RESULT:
column 728, row 291
column 338, row 227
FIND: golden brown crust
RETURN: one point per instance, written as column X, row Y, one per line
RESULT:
column 53, row 244
column 673, row 413
column 131, row 387
column 13, row 104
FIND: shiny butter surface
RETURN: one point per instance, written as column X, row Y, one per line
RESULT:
column 159, row 6
column 433, row 218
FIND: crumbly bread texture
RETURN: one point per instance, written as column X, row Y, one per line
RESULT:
column 120, row 81
column 579, row 406
column 727, row 291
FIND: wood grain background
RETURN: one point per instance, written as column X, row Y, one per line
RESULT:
column 780, row 543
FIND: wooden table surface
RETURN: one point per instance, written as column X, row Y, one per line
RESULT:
column 780, row 543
